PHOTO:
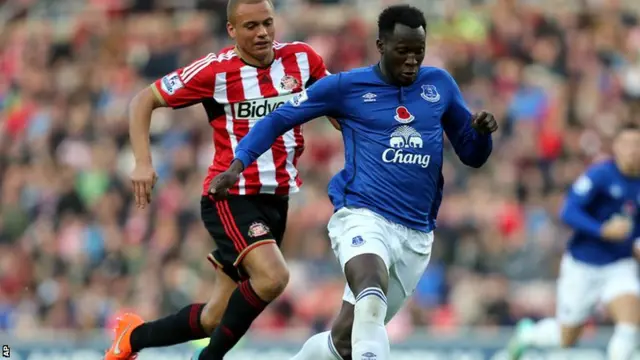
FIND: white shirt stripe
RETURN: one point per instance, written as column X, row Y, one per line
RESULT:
column 266, row 166
column 192, row 70
column 220, row 95
column 277, row 73
column 303, row 64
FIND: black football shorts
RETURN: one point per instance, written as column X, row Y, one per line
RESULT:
column 241, row 223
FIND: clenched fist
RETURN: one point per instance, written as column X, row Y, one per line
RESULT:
column 618, row 228
column 484, row 122
column 220, row 185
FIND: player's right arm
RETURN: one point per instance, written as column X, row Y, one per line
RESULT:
column 581, row 195
column 322, row 98
column 181, row 88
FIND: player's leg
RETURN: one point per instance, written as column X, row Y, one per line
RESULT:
column 362, row 243
column 622, row 296
column 404, row 277
column 368, row 277
column 193, row 322
column 248, row 221
column 410, row 260
column 578, row 290
column 331, row 345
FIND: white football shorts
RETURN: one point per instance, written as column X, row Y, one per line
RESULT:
column 405, row 251
column 581, row 287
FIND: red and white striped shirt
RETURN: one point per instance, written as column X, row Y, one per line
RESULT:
column 236, row 96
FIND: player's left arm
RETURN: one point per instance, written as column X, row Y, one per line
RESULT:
column 582, row 193
column 470, row 134
column 318, row 70
column 636, row 248
column 320, row 99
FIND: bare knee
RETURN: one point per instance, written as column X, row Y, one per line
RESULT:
column 267, row 270
column 625, row 309
column 365, row 271
column 272, row 283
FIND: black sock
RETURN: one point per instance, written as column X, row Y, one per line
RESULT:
column 174, row 329
column 244, row 307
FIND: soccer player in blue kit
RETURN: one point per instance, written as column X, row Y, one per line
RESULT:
column 598, row 266
column 393, row 116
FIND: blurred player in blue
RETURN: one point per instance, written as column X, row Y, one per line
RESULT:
column 599, row 266
column 393, row 116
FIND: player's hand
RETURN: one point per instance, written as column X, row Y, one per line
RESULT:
column 484, row 122
column 220, row 185
column 618, row 228
column 143, row 179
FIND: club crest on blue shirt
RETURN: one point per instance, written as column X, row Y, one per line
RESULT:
column 357, row 241
column 403, row 115
column 430, row 93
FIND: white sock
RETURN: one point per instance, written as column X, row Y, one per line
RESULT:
column 623, row 342
column 545, row 333
column 369, row 338
column 318, row 347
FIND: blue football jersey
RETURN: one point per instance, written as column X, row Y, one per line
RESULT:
column 597, row 195
column 393, row 139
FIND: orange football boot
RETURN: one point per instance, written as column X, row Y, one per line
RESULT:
column 121, row 348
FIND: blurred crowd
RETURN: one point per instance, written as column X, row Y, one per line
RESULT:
column 74, row 251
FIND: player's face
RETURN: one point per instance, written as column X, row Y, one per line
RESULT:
column 626, row 149
column 252, row 27
column 403, row 53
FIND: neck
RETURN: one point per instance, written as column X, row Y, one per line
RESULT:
column 254, row 61
column 385, row 74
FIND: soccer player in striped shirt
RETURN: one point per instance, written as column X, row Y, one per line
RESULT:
column 236, row 87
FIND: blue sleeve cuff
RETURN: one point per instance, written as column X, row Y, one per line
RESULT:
column 477, row 151
column 244, row 157
column 484, row 140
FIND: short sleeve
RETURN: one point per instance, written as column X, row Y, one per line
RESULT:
column 188, row 85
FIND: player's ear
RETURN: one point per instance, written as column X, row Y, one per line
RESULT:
column 380, row 46
column 231, row 30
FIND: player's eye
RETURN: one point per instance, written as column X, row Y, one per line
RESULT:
column 250, row 26
column 402, row 51
column 268, row 23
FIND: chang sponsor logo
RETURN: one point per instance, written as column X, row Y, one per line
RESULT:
column 404, row 138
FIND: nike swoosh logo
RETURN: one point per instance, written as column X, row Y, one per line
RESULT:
column 116, row 346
